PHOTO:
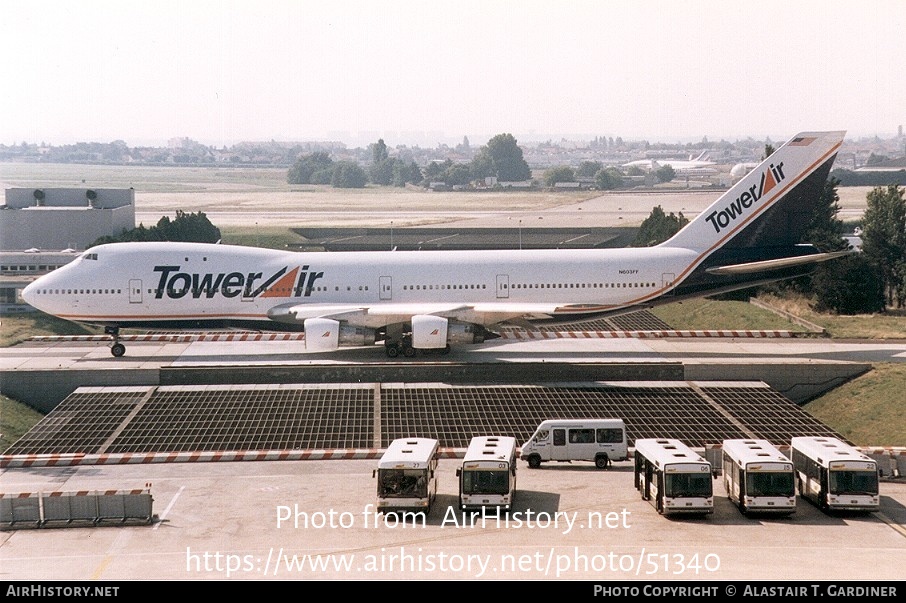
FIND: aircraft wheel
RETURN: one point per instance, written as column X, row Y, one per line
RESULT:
column 117, row 349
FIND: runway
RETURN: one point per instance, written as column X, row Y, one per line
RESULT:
column 692, row 349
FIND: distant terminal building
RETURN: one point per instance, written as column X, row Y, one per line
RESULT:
column 63, row 218
column 42, row 229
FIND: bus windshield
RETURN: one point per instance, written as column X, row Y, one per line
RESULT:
column 403, row 483
column 485, row 481
column 687, row 485
column 769, row 483
column 853, row 482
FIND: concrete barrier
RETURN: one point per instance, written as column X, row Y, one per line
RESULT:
column 74, row 509
column 900, row 459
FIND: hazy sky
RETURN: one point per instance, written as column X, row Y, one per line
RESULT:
column 418, row 72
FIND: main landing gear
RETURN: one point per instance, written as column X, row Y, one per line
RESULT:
column 403, row 347
column 117, row 349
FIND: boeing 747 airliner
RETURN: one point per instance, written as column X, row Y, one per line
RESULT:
column 427, row 300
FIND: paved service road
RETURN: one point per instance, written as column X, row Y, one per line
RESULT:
column 314, row 520
column 96, row 355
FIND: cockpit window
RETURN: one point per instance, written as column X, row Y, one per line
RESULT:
column 89, row 256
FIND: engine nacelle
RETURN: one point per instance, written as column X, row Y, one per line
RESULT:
column 429, row 332
column 326, row 335
column 354, row 336
column 464, row 332
column 321, row 334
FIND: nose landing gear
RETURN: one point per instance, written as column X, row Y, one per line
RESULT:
column 116, row 348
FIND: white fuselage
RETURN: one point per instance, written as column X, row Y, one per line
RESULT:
column 147, row 282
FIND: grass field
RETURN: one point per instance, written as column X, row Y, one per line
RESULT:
column 15, row 421
column 889, row 325
column 710, row 314
column 16, row 328
column 247, row 196
column 868, row 410
column 706, row 314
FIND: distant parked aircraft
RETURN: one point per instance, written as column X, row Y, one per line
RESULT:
column 680, row 166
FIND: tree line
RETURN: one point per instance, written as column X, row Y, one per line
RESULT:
column 194, row 228
column 860, row 283
column 870, row 178
column 501, row 158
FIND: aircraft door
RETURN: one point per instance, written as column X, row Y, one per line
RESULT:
column 386, row 288
column 503, row 286
column 135, row 291
column 667, row 282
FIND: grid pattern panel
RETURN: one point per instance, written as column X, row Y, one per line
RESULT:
column 316, row 417
column 768, row 414
column 79, row 424
column 454, row 415
column 279, row 419
column 640, row 320
column 643, row 320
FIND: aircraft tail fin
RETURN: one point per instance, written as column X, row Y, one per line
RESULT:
column 772, row 205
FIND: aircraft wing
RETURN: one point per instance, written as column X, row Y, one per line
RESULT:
column 762, row 266
column 380, row 315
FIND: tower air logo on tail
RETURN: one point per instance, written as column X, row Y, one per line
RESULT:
column 722, row 218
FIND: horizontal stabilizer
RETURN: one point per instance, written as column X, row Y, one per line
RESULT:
column 765, row 265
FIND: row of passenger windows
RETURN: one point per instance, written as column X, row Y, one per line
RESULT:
column 288, row 291
column 448, row 287
column 79, row 291
column 580, row 285
column 534, row 286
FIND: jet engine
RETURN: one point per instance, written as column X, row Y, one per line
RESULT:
column 326, row 335
column 436, row 332
column 429, row 332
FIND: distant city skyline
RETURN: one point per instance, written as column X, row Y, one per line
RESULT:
column 416, row 73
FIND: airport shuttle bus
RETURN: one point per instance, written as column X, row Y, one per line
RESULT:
column 598, row 440
column 487, row 476
column 834, row 475
column 758, row 477
column 673, row 477
column 407, row 475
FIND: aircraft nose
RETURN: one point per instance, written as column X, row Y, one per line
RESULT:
column 30, row 293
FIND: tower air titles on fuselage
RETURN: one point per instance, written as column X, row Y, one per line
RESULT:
column 176, row 285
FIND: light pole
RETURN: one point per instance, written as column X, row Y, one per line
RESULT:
column 520, row 235
column 391, row 235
